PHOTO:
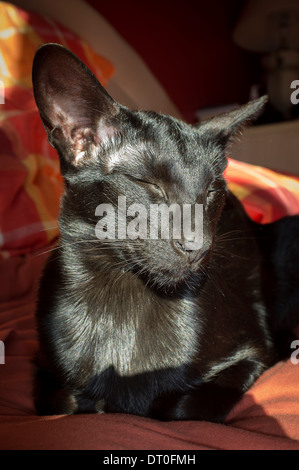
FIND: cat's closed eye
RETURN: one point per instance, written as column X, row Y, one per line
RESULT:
column 214, row 187
column 152, row 187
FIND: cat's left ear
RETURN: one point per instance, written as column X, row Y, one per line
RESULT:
column 223, row 128
column 76, row 111
column 230, row 123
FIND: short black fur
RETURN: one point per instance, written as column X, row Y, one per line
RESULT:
column 150, row 327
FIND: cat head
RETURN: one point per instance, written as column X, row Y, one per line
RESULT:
column 111, row 156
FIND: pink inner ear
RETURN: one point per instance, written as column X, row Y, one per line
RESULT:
column 104, row 133
column 81, row 139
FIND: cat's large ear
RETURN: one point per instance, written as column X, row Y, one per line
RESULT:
column 75, row 109
column 224, row 127
column 230, row 123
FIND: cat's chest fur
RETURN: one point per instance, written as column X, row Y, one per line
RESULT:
column 124, row 326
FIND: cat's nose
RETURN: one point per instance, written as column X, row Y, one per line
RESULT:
column 190, row 250
column 184, row 246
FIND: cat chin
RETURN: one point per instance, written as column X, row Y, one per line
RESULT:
column 192, row 274
column 178, row 273
column 175, row 279
column 178, row 277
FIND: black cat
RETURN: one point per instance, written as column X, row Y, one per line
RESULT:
column 152, row 327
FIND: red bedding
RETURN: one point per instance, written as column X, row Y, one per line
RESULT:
column 267, row 417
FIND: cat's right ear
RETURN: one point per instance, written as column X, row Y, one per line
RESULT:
column 76, row 111
column 229, row 124
column 224, row 127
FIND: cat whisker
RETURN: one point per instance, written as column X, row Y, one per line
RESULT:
column 229, row 255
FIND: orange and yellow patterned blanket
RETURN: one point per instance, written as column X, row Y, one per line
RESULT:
column 30, row 181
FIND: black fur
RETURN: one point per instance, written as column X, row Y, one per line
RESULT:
column 146, row 326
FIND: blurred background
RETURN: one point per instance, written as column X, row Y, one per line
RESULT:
column 189, row 47
column 215, row 53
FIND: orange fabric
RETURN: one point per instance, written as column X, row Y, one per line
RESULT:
column 30, row 181
column 266, row 195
